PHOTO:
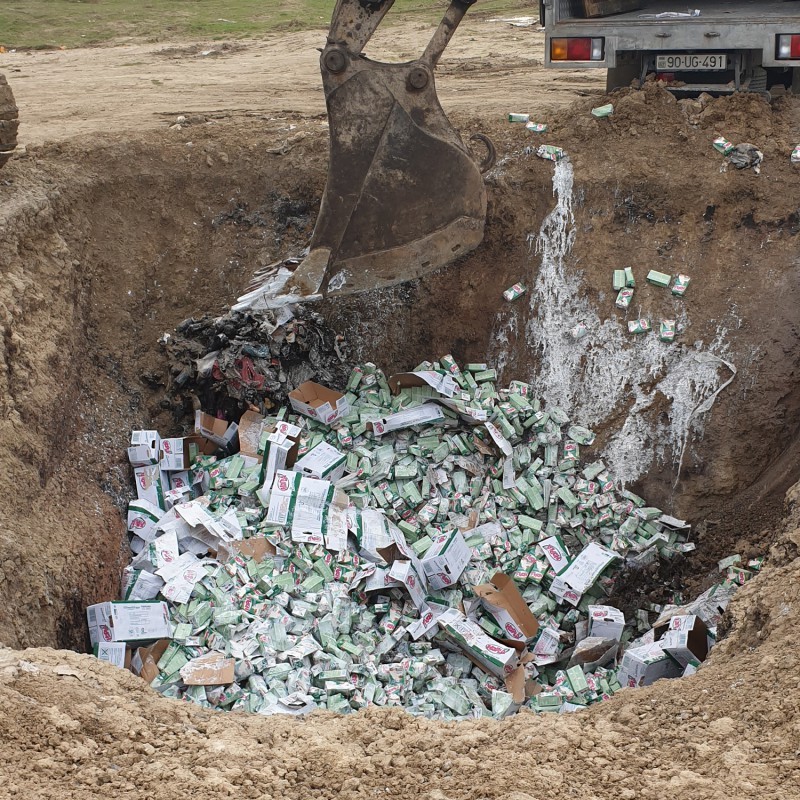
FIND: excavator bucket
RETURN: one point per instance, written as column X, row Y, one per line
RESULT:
column 404, row 195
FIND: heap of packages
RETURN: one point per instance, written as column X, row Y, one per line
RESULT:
column 426, row 541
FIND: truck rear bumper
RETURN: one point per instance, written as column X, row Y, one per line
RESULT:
column 674, row 38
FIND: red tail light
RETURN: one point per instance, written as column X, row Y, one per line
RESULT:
column 576, row 49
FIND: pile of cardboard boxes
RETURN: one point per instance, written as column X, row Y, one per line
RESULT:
column 424, row 540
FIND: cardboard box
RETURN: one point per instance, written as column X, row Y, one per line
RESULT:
column 149, row 485
column 587, row 567
column 144, row 661
column 646, row 664
column 399, row 550
column 606, row 622
column 324, row 462
column 256, row 548
column 319, row 402
column 210, row 669
column 138, row 584
column 489, row 654
column 218, row 431
column 143, row 516
column 281, row 448
column 404, row 572
column 120, row 621
column 115, row 653
column 502, row 600
column 685, row 639
column 556, row 553
column 251, row 426
column 300, row 503
column 178, row 455
column 418, row 415
column 445, row 560
column 144, row 449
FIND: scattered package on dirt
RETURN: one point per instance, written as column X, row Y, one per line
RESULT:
column 603, row 111
column 425, row 540
column 624, row 284
column 746, row 155
column 515, row 291
column 253, row 357
column 550, row 152
column 740, row 156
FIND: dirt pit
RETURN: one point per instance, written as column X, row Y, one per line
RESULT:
column 106, row 244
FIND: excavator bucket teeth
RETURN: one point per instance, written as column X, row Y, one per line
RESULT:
column 404, row 195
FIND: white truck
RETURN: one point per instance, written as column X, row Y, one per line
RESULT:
column 713, row 45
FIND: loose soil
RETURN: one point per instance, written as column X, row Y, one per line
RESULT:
column 111, row 238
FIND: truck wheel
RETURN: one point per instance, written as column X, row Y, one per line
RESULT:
column 8, row 121
column 620, row 77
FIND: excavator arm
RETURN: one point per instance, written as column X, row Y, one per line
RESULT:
column 404, row 195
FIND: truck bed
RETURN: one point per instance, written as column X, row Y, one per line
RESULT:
column 714, row 11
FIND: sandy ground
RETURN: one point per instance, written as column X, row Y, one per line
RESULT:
column 108, row 240
column 490, row 66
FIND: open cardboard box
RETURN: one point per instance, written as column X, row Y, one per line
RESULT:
column 218, row 431
column 179, row 454
column 502, row 600
column 144, row 661
column 684, row 637
column 319, row 402
column 282, row 449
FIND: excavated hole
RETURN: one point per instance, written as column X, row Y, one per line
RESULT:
column 101, row 259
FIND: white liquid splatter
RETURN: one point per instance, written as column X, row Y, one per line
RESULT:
column 610, row 371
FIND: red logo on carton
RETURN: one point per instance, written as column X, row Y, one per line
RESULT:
column 411, row 581
column 138, row 523
column 166, row 446
column 106, row 633
column 427, row 619
column 512, row 631
column 179, row 483
column 495, row 648
column 167, row 556
column 556, row 556
column 283, row 483
column 444, row 578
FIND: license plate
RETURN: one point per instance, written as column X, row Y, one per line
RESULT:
column 691, row 61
